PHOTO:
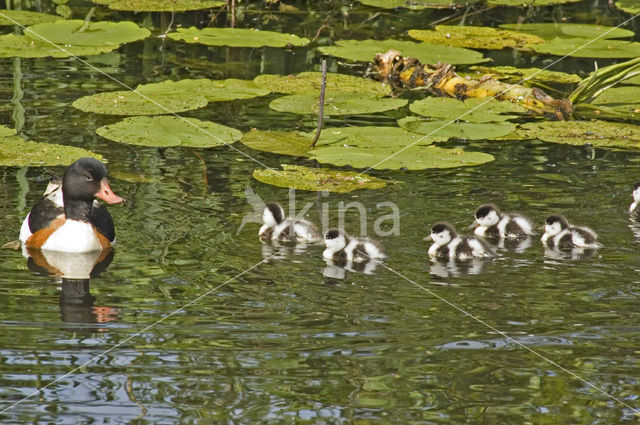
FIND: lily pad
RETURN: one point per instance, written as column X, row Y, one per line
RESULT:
column 20, row 46
column 169, row 131
column 475, row 37
column 6, row 131
column 67, row 32
column 237, row 37
column 550, row 31
column 416, row 157
column 630, row 6
column 17, row 152
column 598, row 133
column 471, row 110
column 335, row 104
column 163, row 5
column 25, row 17
column 533, row 75
column 317, row 179
column 131, row 103
column 522, row 3
column 414, row 5
column 628, row 97
column 280, row 142
column 461, row 130
column 212, row 90
column 426, row 52
column 587, row 48
column 372, row 137
column 310, row 82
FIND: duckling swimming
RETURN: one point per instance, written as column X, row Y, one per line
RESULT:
column 559, row 234
column 342, row 248
column 634, row 208
column 491, row 223
column 277, row 227
column 448, row 245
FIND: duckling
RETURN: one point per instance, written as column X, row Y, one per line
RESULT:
column 277, row 227
column 448, row 245
column 342, row 248
column 634, row 208
column 491, row 223
column 559, row 234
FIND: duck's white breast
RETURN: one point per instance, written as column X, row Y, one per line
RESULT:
column 25, row 231
column 73, row 236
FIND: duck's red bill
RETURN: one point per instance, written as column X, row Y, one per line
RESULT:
column 106, row 194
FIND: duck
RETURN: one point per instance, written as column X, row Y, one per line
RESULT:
column 67, row 219
column 342, row 249
column 491, row 223
column 560, row 235
column 447, row 244
column 634, row 208
column 279, row 228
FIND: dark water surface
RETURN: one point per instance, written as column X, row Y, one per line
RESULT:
column 289, row 341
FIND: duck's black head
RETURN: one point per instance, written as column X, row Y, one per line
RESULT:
column 557, row 218
column 85, row 180
column 636, row 186
column 442, row 227
column 485, row 210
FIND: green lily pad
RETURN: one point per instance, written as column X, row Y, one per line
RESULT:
column 6, row 131
column 628, row 97
column 475, row 37
column 372, row 137
column 335, row 104
column 17, row 152
column 20, row 46
column 95, row 34
column 471, row 110
column 414, row 5
column 550, row 31
column 522, row 3
column 630, row 6
column 318, row 179
column 237, row 37
column 169, row 131
column 280, row 142
column 587, row 48
column 461, row 130
column 310, row 82
column 25, row 17
column 131, row 103
column 598, row 133
column 533, row 75
column 163, row 5
column 416, row 157
column 212, row 90
column 426, row 52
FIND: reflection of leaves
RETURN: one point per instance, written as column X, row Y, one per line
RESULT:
column 17, row 152
column 461, row 130
column 102, row 33
column 169, row 131
column 131, row 103
column 280, row 142
column 598, row 133
column 212, row 90
column 335, row 104
column 475, row 37
column 20, row 46
column 237, row 37
column 317, row 179
column 475, row 110
column 310, row 82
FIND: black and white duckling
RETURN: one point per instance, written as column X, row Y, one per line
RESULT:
column 634, row 208
column 277, row 227
column 342, row 248
column 559, row 234
column 491, row 223
column 448, row 245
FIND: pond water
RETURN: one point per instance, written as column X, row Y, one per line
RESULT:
column 196, row 321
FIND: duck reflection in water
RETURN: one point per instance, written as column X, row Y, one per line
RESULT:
column 75, row 271
column 453, row 268
column 579, row 253
column 274, row 250
column 338, row 269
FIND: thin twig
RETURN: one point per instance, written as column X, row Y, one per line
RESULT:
column 323, row 88
column 173, row 15
column 233, row 13
column 87, row 19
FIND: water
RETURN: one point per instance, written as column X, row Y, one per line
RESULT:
column 177, row 330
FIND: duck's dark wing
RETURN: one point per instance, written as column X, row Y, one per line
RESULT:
column 43, row 213
column 101, row 219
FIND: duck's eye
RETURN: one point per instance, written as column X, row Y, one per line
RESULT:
column 88, row 177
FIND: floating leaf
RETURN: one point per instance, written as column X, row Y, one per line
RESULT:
column 20, row 46
column 280, row 142
column 237, row 37
column 317, row 179
column 131, row 103
column 461, row 130
column 427, row 53
column 550, row 31
column 522, row 3
column 335, row 104
column 67, row 32
column 17, row 152
column 163, row 5
column 24, row 17
column 587, row 48
column 532, row 75
column 372, row 137
column 414, row 5
column 630, row 6
column 627, row 98
column 212, row 90
column 416, row 157
column 6, row 131
column 310, row 82
column 598, row 133
column 475, row 37
column 169, row 131
column 471, row 110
